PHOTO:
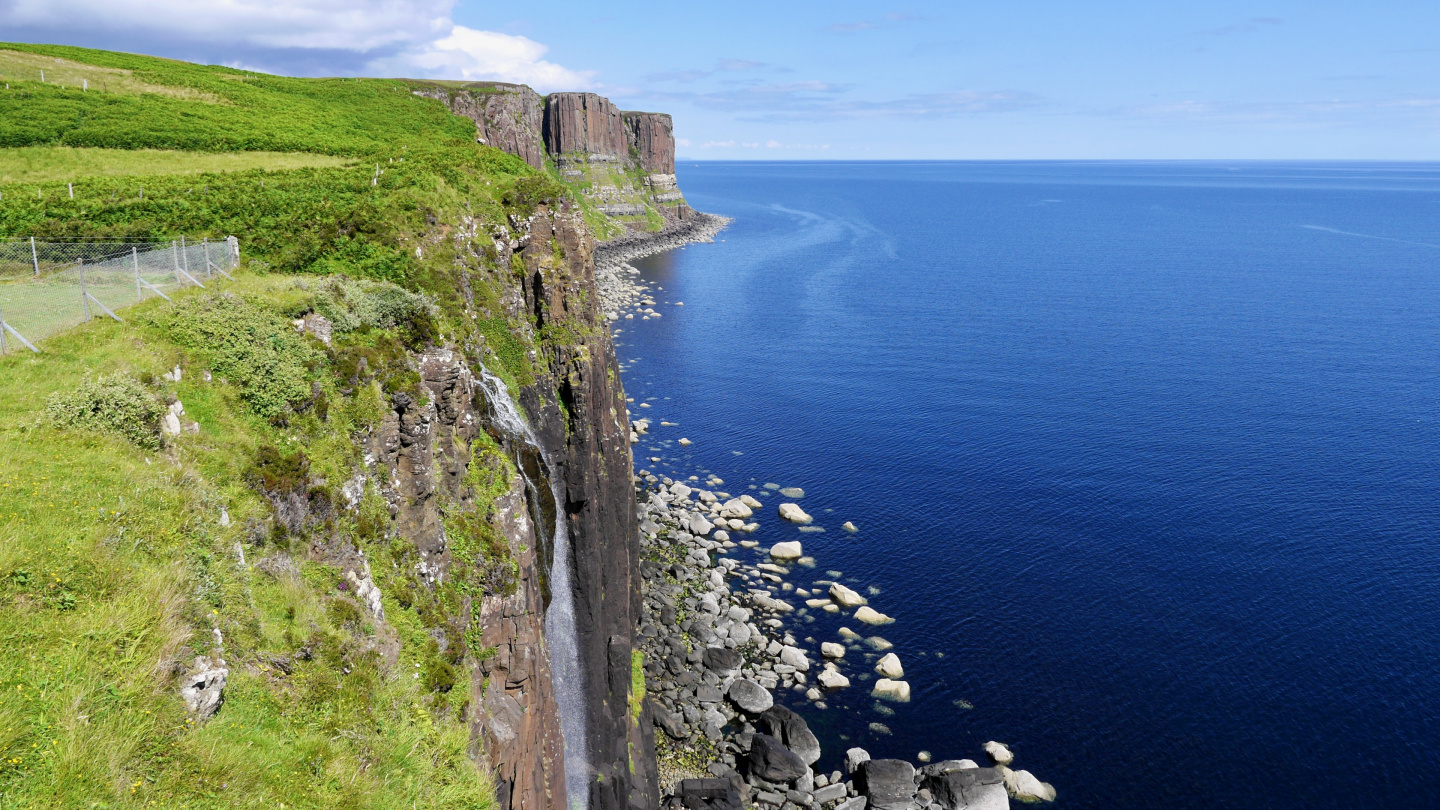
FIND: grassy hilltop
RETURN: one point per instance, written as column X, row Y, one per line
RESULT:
column 124, row 554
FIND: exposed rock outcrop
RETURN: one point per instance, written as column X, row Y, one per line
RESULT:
column 508, row 117
column 585, row 124
column 652, row 138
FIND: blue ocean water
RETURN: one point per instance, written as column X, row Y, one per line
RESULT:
column 1145, row 456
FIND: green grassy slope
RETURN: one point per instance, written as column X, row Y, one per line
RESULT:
column 116, row 568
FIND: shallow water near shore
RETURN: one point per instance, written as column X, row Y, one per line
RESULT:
column 1144, row 457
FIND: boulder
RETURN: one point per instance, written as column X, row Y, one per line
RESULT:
column 887, row 784
column 700, row 526
column 750, row 696
column 846, row 632
column 889, row 666
column 828, row 794
column 750, row 502
column 771, row 761
column 679, row 490
column 870, row 615
column 999, row 753
column 832, row 679
column 968, row 789
column 845, row 596
column 792, row 492
column 795, row 657
column 721, row 661
column 789, row 550
column 671, row 723
column 887, row 689
column 735, row 508
column 830, row 649
column 794, row 513
column 792, row 730
column 849, row 527
column 854, row 758
column 945, row 766
column 857, row 803
column 1023, row 786
column 709, row 794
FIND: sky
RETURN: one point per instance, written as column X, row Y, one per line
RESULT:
column 1026, row 79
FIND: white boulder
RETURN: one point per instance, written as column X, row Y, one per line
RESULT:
column 889, row 666
column 830, row 649
column 789, row 550
column 846, row 597
column 793, row 513
column 887, row 689
column 832, row 679
column 870, row 615
column 999, row 753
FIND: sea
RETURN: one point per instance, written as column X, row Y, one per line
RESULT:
column 1144, row 458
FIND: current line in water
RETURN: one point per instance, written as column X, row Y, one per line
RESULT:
column 1369, row 236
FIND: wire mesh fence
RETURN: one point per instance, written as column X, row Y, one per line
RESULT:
column 47, row 287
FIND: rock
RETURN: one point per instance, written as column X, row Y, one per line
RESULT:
column 889, row 666
column 853, row 759
column 679, row 490
column 670, row 723
column 832, row 679
column 789, row 550
column 968, row 789
column 170, row 424
column 792, row 492
column 709, row 794
column 878, row 644
column 750, row 696
column 735, row 508
column 849, row 527
column 857, row 803
column 794, row 513
column 945, row 766
column 721, row 535
column 829, row 793
column 845, row 596
column 887, row 689
column 1023, row 785
column 684, row 442
column 792, row 730
column 888, row 784
column 770, row 760
column 870, row 615
column 830, row 649
column 846, row 632
column 795, row 657
column 999, row 753
column 701, row 526
column 750, row 502
column 721, row 661
column 203, row 690
column 924, row 756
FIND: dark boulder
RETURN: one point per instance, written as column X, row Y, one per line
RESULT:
column 771, row 761
column 792, row 730
column 887, row 784
column 671, row 724
column 722, row 661
column 709, row 794
column 968, row 789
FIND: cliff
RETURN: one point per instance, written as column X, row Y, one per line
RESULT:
column 508, row 117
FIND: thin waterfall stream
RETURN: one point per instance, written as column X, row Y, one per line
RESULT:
column 560, row 633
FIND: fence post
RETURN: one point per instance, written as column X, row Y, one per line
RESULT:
column 175, row 255
column 84, row 294
column 205, row 244
column 34, row 257
column 135, row 257
column 184, row 255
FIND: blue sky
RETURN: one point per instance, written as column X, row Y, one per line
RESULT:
column 838, row 80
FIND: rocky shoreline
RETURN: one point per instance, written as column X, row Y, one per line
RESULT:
column 616, row 278
column 718, row 649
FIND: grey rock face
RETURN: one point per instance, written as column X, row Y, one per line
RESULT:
column 854, row 758
column 671, row 723
column 888, row 784
column 771, row 761
column 723, row 662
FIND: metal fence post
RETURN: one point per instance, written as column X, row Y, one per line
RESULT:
column 205, row 244
column 135, row 257
column 34, row 257
column 175, row 255
column 84, row 295
column 184, row 255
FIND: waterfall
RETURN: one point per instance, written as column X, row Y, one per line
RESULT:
column 560, row 637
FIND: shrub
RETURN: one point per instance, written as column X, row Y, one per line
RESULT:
column 256, row 350
column 118, row 405
column 351, row 304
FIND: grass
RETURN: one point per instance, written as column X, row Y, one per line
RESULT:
column 59, row 164
column 115, row 570
column 19, row 66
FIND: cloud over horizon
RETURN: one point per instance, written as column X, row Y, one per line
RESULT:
column 391, row 38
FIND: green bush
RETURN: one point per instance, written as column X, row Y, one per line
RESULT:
column 118, row 405
column 353, row 304
column 255, row 349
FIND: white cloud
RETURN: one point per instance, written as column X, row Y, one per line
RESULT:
column 415, row 38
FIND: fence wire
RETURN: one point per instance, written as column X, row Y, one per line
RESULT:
column 48, row 287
